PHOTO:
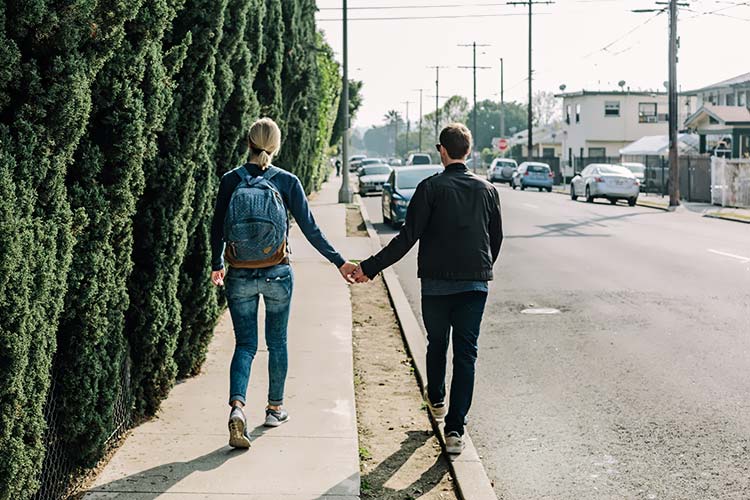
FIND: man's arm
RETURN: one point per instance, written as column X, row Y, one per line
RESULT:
column 417, row 218
column 496, row 226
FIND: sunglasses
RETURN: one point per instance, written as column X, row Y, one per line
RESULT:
column 438, row 146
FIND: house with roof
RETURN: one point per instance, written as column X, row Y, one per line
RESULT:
column 722, row 120
column 547, row 142
column 598, row 124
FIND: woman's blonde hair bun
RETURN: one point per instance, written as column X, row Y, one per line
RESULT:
column 265, row 141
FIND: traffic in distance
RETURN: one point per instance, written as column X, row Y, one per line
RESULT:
column 396, row 180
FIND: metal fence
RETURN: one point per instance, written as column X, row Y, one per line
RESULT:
column 60, row 478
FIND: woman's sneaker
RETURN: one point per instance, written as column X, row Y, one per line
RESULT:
column 438, row 410
column 275, row 418
column 454, row 443
column 238, row 435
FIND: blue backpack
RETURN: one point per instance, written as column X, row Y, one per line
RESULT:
column 256, row 223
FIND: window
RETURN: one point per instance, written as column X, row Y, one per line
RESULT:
column 567, row 114
column 647, row 112
column 548, row 152
column 729, row 99
column 578, row 113
column 612, row 108
column 742, row 99
column 597, row 152
column 711, row 99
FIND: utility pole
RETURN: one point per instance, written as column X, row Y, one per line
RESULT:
column 408, row 125
column 502, row 100
column 420, row 117
column 345, row 193
column 671, row 7
column 530, row 113
column 474, row 68
column 674, row 156
column 437, row 100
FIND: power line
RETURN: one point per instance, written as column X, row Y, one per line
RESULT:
column 410, row 18
column 394, row 7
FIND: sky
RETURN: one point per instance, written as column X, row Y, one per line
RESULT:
column 582, row 44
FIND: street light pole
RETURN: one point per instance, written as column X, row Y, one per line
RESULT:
column 420, row 118
column 408, row 126
column 345, row 193
column 474, row 68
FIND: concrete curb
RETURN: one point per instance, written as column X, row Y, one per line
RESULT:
column 640, row 203
column 468, row 471
column 728, row 217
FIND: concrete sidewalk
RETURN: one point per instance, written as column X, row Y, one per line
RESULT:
column 183, row 453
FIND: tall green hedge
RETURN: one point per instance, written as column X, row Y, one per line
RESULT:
column 104, row 182
column 116, row 119
column 54, row 51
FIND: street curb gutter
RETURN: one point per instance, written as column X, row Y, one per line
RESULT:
column 728, row 217
column 640, row 203
column 468, row 472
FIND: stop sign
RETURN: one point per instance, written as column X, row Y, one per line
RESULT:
column 502, row 144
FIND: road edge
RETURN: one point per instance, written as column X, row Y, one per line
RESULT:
column 729, row 217
column 469, row 474
column 640, row 203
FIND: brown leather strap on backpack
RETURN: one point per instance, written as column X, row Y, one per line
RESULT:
column 279, row 257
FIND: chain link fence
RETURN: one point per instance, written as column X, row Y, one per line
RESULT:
column 60, row 478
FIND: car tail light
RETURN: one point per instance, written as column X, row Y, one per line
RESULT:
column 598, row 179
column 551, row 175
column 637, row 182
column 526, row 174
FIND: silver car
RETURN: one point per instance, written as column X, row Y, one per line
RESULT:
column 372, row 178
column 600, row 180
column 502, row 170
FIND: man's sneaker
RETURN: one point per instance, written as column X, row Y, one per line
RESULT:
column 454, row 443
column 238, row 435
column 275, row 418
column 438, row 410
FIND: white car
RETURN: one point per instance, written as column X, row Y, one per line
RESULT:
column 639, row 170
column 372, row 177
column 601, row 180
column 502, row 170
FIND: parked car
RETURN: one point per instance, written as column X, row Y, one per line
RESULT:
column 399, row 189
column 502, row 170
column 419, row 159
column 354, row 161
column 533, row 174
column 599, row 180
column 395, row 162
column 372, row 178
column 370, row 161
column 639, row 170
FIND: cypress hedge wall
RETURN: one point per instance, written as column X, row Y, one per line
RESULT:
column 116, row 120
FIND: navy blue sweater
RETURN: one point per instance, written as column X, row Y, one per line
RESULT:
column 295, row 200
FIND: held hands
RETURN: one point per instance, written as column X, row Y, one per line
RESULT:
column 217, row 278
column 353, row 273
column 360, row 276
column 347, row 270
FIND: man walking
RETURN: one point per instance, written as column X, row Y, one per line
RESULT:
column 455, row 215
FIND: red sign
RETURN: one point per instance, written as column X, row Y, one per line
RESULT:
column 502, row 144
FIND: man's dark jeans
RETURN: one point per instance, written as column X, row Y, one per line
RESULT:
column 463, row 313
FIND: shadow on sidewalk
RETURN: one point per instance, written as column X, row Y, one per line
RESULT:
column 374, row 481
column 152, row 483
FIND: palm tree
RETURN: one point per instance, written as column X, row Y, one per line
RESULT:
column 392, row 118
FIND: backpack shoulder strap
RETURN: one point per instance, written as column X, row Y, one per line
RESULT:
column 271, row 172
column 242, row 172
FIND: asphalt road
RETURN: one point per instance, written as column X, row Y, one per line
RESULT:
column 640, row 387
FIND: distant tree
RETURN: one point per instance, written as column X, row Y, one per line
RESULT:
column 355, row 102
column 379, row 140
column 488, row 121
column 546, row 108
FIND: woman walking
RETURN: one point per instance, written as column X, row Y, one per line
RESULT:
column 250, row 230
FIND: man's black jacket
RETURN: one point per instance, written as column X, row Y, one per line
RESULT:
column 455, row 215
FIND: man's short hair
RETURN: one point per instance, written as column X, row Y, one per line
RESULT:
column 456, row 139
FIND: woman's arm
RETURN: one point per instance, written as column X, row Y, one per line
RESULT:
column 300, row 209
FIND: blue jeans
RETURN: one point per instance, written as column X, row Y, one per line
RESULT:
column 244, row 288
column 461, row 313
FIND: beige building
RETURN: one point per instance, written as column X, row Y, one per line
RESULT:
column 597, row 124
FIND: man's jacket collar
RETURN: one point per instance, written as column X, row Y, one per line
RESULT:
column 456, row 167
